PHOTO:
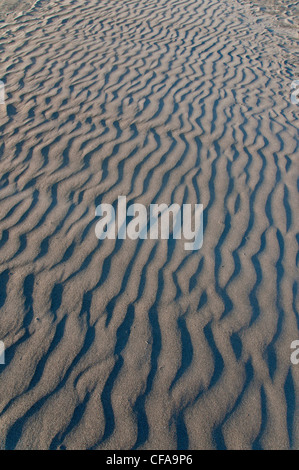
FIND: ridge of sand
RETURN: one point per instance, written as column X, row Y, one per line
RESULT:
column 140, row 345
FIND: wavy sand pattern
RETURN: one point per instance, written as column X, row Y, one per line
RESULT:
column 142, row 345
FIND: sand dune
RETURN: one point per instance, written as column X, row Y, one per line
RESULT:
column 139, row 344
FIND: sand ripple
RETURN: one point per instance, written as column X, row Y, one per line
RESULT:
column 135, row 345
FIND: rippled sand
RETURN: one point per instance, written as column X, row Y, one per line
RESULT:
column 142, row 345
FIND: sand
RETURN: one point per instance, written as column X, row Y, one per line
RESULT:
column 9, row 9
column 139, row 344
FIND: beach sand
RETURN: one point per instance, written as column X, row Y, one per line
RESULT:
column 12, row 8
column 122, row 344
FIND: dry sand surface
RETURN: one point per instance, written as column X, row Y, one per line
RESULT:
column 12, row 8
column 140, row 344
